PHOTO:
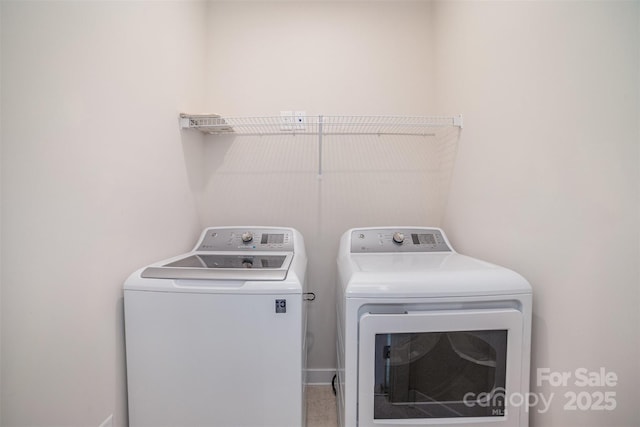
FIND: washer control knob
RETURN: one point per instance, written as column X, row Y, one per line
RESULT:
column 398, row 237
column 247, row 237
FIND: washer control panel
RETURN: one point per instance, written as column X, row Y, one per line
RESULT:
column 398, row 240
column 246, row 239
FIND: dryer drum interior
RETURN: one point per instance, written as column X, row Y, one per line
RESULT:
column 439, row 374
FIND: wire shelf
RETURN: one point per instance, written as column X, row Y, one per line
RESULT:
column 324, row 125
column 319, row 125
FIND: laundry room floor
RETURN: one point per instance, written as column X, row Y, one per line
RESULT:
column 321, row 406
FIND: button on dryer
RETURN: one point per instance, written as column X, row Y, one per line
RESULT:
column 247, row 237
column 398, row 237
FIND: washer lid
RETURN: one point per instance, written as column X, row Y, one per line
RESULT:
column 222, row 266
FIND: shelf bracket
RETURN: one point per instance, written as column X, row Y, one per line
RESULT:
column 184, row 122
column 457, row 121
column 320, row 122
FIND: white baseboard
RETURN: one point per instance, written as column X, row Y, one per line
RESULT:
column 320, row 376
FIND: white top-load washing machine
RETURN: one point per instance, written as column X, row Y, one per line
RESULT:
column 216, row 336
column 427, row 336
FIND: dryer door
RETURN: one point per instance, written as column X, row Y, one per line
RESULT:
column 439, row 367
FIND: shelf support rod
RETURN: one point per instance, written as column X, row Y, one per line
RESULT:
column 320, row 122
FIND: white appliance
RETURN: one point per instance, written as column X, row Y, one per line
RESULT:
column 427, row 336
column 216, row 336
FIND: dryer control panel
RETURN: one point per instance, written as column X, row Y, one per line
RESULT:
column 398, row 240
column 246, row 239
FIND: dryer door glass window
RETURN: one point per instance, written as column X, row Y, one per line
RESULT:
column 440, row 374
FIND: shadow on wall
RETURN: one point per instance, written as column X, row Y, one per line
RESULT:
column 366, row 179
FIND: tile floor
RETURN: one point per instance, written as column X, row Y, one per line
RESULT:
column 321, row 406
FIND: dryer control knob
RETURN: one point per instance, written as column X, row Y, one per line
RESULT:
column 247, row 237
column 398, row 237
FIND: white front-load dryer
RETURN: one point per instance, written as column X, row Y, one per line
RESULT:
column 216, row 336
column 427, row 336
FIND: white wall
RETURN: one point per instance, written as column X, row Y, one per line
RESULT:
column 325, row 57
column 1, row 134
column 353, row 58
column 97, row 180
column 546, row 180
column 93, row 186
